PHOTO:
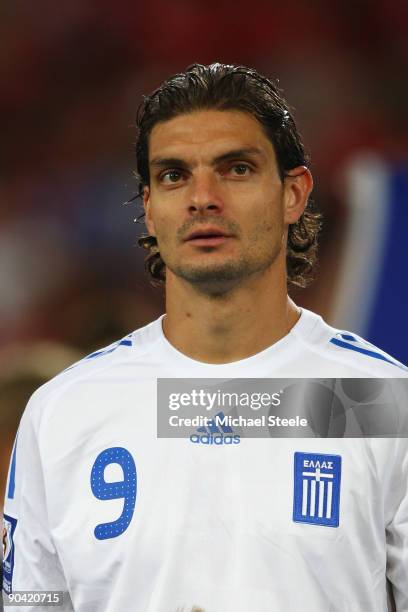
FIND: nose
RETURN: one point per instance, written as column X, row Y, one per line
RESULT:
column 204, row 196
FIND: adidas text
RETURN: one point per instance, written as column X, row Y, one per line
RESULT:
column 214, row 439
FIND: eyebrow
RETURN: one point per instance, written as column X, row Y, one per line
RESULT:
column 168, row 162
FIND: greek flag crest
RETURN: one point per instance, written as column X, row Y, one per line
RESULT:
column 316, row 498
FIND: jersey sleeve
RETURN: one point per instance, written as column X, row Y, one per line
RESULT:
column 397, row 528
column 30, row 559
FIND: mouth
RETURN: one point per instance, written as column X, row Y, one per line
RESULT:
column 210, row 236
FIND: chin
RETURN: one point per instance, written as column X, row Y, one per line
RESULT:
column 216, row 280
column 221, row 272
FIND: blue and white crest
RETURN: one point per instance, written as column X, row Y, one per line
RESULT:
column 316, row 497
column 9, row 527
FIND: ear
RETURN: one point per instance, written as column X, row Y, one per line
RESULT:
column 148, row 211
column 298, row 184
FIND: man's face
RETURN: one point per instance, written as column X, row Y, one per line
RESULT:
column 215, row 203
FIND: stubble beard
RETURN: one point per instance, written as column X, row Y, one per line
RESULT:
column 218, row 279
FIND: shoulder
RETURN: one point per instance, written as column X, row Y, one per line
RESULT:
column 121, row 361
column 349, row 350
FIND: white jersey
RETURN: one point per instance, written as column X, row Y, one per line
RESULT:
column 98, row 507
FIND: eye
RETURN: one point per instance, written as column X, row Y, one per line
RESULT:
column 240, row 169
column 170, row 176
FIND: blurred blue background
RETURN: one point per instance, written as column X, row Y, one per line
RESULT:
column 73, row 74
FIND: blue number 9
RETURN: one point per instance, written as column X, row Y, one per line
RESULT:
column 124, row 489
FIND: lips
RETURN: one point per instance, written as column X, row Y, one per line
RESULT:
column 206, row 233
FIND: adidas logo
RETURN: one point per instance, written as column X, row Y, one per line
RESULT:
column 214, row 435
column 218, row 439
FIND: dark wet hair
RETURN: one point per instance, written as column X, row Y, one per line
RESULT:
column 229, row 87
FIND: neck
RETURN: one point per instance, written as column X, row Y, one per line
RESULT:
column 232, row 326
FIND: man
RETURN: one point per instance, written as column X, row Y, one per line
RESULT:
column 99, row 507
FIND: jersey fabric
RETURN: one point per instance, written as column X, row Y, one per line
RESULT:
column 100, row 508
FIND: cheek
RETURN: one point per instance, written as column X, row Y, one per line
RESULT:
column 163, row 231
column 163, row 210
column 268, row 217
column 159, row 233
column 155, row 219
column 150, row 226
